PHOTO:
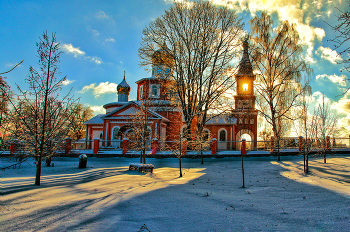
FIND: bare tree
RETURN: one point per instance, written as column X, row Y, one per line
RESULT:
column 305, row 126
column 139, row 133
column 41, row 113
column 79, row 115
column 178, row 147
column 5, row 95
column 326, row 125
column 277, row 57
column 203, row 40
column 342, row 37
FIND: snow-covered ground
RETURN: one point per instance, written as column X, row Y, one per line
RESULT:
column 106, row 196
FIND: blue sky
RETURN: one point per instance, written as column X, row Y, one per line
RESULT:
column 100, row 40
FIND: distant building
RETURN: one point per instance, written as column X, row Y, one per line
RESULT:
column 165, row 121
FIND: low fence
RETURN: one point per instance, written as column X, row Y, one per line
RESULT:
column 290, row 143
column 213, row 146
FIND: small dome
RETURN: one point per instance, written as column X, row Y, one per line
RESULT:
column 123, row 87
column 163, row 56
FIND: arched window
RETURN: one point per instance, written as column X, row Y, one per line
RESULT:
column 115, row 135
column 222, row 135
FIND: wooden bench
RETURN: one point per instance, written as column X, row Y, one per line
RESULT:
column 141, row 167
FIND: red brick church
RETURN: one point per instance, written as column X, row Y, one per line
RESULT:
column 165, row 121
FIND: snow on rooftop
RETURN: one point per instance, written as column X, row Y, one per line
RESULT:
column 95, row 120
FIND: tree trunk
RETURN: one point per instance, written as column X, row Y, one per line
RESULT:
column 180, row 167
column 41, row 149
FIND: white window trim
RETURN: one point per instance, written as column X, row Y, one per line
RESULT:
column 113, row 131
column 141, row 92
column 222, row 129
column 158, row 91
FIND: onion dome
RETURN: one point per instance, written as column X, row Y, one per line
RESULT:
column 245, row 67
column 163, row 56
column 123, row 87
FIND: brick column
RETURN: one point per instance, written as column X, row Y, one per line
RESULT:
column 214, row 146
column 243, row 147
column 154, row 146
column 272, row 143
column 96, row 145
column 68, row 145
column 300, row 143
column 13, row 148
column 184, row 147
column 125, row 145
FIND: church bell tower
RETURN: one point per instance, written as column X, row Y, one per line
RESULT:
column 245, row 111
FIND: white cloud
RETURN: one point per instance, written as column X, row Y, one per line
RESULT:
column 110, row 39
column 77, row 52
column 67, row 82
column 318, row 98
column 328, row 54
column 11, row 65
column 95, row 59
column 70, row 49
column 340, row 80
column 98, row 109
column 101, row 88
column 101, row 15
column 94, row 32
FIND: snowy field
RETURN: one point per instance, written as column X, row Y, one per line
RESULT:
column 106, row 196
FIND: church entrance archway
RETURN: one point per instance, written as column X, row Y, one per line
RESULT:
column 249, row 138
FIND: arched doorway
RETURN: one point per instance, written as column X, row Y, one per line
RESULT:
column 222, row 134
column 249, row 138
column 116, row 137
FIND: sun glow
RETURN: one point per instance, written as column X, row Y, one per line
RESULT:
column 245, row 87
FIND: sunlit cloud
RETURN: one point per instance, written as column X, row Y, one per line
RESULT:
column 293, row 11
column 70, row 49
column 67, row 82
column 340, row 80
column 100, row 89
column 172, row 1
column 328, row 54
column 343, row 105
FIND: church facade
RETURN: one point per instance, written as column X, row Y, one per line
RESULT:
column 164, row 119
